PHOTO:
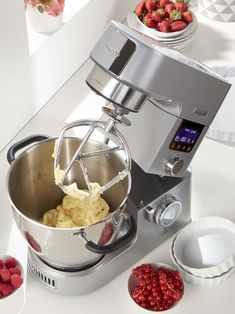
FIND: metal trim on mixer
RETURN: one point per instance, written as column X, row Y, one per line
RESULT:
column 45, row 280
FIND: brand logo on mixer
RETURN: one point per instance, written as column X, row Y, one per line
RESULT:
column 111, row 50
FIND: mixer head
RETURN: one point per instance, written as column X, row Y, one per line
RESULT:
column 176, row 97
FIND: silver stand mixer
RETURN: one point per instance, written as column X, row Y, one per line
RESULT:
column 159, row 105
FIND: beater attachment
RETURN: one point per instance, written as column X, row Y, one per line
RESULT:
column 114, row 142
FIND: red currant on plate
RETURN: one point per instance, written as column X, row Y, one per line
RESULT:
column 155, row 287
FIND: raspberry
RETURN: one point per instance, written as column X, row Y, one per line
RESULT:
column 11, row 262
column 16, row 281
column 5, row 289
column 15, row 270
column 1, row 263
column 5, row 274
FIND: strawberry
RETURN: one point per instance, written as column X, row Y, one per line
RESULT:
column 148, row 16
column 162, row 12
column 10, row 262
column 140, row 8
column 5, row 289
column 156, row 16
column 149, row 22
column 187, row 17
column 169, row 7
column 175, row 15
column 163, row 3
column 16, row 281
column 181, row 6
column 15, row 270
column 178, row 25
column 151, row 5
column 164, row 26
column 1, row 263
column 5, row 274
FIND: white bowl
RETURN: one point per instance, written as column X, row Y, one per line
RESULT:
column 4, row 257
column 200, row 281
column 206, row 248
column 147, row 30
column 133, row 282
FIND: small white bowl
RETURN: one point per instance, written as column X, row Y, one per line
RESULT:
column 206, row 247
column 200, row 281
column 4, row 257
column 147, row 30
column 133, row 282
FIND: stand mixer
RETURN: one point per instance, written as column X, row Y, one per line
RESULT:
column 159, row 105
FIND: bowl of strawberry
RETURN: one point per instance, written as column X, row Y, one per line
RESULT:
column 164, row 17
column 155, row 287
column 11, row 276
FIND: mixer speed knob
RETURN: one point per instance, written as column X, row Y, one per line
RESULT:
column 174, row 165
column 168, row 212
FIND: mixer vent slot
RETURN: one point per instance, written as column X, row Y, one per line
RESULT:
column 49, row 282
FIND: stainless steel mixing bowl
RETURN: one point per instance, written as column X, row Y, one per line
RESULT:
column 32, row 191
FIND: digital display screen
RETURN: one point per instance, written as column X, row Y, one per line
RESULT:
column 186, row 136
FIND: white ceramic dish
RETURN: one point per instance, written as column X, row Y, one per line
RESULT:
column 133, row 282
column 134, row 22
column 223, row 127
column 4, row 257
column 163, row 34
column 200, row 281
column 179, row 41
column 206, row 248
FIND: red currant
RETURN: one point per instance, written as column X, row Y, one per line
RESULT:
column 158, row 289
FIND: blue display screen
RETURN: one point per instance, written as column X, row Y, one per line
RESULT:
column 186, row 136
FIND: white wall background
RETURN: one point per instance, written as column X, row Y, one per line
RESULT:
column 29, row 78
column 15, row 83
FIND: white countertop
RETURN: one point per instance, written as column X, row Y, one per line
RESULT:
column 213, row 183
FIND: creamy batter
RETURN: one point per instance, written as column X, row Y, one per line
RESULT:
column 79, row 207
column 76, row 212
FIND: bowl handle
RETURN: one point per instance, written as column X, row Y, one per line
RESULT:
column 21, row 144
column 116, row 244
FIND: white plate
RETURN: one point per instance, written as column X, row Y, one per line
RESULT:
column 222, row 128
column 183, row 38
column 134, row 22
column 184, row 43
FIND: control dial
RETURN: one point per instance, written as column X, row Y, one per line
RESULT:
column 167, row 212
column 174, row 165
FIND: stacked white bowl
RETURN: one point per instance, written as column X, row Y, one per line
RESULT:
column 204, row 251
column 178, row 40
